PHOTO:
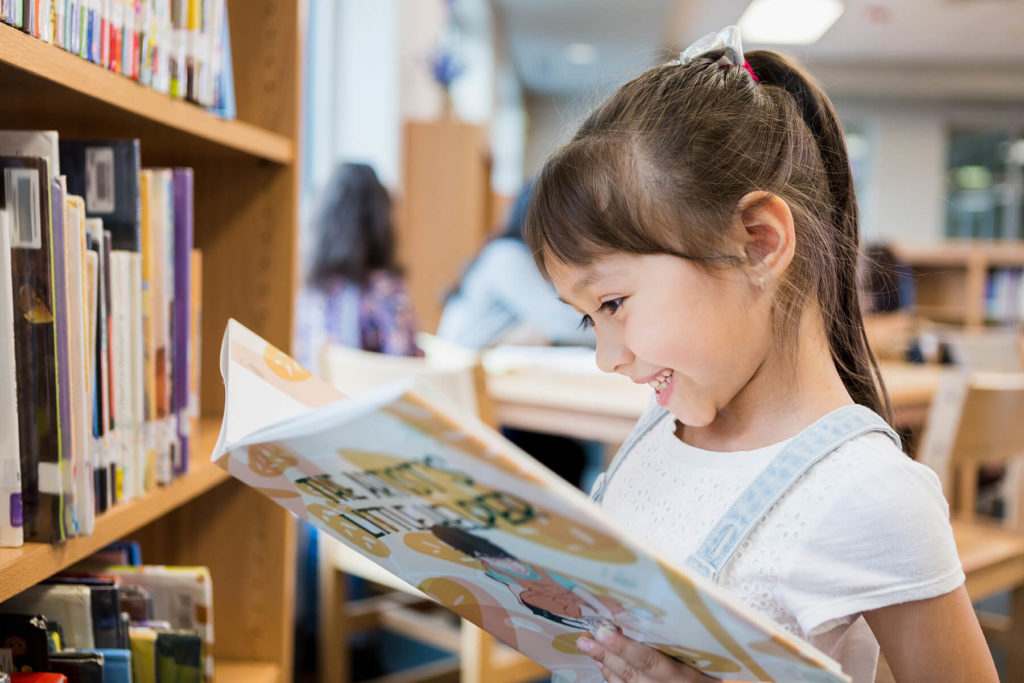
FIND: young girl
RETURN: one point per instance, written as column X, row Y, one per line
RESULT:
column 703, row 221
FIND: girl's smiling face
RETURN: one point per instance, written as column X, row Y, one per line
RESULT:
column 700, row 337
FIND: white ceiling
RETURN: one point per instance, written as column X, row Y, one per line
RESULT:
column 941, row 48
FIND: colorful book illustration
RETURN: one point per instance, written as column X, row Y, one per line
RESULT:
column 11, row 535
column 446, row 504
column 25, row 186
column 25, row 635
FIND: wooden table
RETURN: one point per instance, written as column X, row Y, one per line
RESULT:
column 604, row 407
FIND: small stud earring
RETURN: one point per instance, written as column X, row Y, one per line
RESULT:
column 760, row 284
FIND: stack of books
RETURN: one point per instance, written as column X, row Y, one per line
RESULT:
column 99, row 298
column 112, row 619
column 178, row 47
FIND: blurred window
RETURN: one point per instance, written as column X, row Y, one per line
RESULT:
column 984, row 183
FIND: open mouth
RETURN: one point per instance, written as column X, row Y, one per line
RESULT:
column 661, row 382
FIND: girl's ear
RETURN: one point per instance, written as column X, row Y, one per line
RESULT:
column 767, row 232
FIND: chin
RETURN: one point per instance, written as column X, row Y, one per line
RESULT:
column 693, row 416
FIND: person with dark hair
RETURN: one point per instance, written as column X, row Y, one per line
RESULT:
column 354, row 293
column 703, row 221
column 502, row 298
column 545, row 593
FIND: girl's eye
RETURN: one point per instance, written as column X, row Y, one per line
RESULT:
column 609, row 307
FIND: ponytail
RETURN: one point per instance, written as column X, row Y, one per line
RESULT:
column 841, row 310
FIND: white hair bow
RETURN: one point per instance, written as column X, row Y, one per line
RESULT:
column 728, row 38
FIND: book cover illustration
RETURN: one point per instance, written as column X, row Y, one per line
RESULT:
column 446, row 504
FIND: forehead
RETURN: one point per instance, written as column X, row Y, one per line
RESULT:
column 574, row 280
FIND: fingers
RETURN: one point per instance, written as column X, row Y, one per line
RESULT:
column 626, row 661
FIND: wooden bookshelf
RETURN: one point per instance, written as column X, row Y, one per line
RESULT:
column 951, row 277
column 246, row 224
column 22, row 567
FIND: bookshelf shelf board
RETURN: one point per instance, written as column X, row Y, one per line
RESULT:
column 33, row 562
column 246, row 672
column 957, row 253
column 49, row 87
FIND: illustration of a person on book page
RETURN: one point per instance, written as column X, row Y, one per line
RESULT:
column 546, row 593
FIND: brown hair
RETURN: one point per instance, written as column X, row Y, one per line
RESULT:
column 660, row 167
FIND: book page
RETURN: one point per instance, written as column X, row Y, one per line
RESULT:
column 450, row 507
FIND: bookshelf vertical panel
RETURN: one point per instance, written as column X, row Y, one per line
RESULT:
column 265, row 37
column 245, row 218
column 241, row 536
column 444, row 210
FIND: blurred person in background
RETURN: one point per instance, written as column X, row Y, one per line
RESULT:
column 355, row 294
column 501, row 298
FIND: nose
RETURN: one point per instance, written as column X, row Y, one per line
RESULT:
column 612, row 354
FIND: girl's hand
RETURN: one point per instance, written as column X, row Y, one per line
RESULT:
column 623, row 660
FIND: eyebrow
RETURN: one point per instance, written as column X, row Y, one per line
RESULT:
column 590, row 278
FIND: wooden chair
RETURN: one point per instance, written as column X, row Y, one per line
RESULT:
column 978, row 418
column 404, row 610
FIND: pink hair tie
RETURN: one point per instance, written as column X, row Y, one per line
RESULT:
column 750, row 70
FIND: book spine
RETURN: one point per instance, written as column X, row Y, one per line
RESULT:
column 11, row 535
column 58, row 276
column 182, row 302
column 38, row 428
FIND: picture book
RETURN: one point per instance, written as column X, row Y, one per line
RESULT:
column 443, row 502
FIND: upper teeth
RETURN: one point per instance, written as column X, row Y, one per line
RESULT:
column 661, row 381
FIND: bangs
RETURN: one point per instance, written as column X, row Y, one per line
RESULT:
column 597, row 196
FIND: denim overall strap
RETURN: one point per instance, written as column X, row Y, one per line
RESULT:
column 646, row 423
column 785, row 469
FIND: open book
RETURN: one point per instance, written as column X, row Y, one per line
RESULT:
column 449, row 506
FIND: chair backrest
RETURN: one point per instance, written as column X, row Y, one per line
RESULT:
column 997, row 348
column 976, row 418
column 459, row 379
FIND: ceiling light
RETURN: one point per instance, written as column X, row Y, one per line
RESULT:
column 789, row 22
column 581, row 54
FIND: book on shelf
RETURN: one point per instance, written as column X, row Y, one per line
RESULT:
column 26, row 190
column 11, row 535
column 178, row 47
column 436, row 498
column 100, row 315
column 78, row 666
column 26, row 635
column 106, row 174
column 69, row 605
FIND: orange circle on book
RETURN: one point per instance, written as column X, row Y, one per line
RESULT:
column 566, row 642
column 283, row 366
column 270, row 459
column 348, row 531
column 708, row 662
column 454, row 596
column 553, row 530
column 427, row 543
